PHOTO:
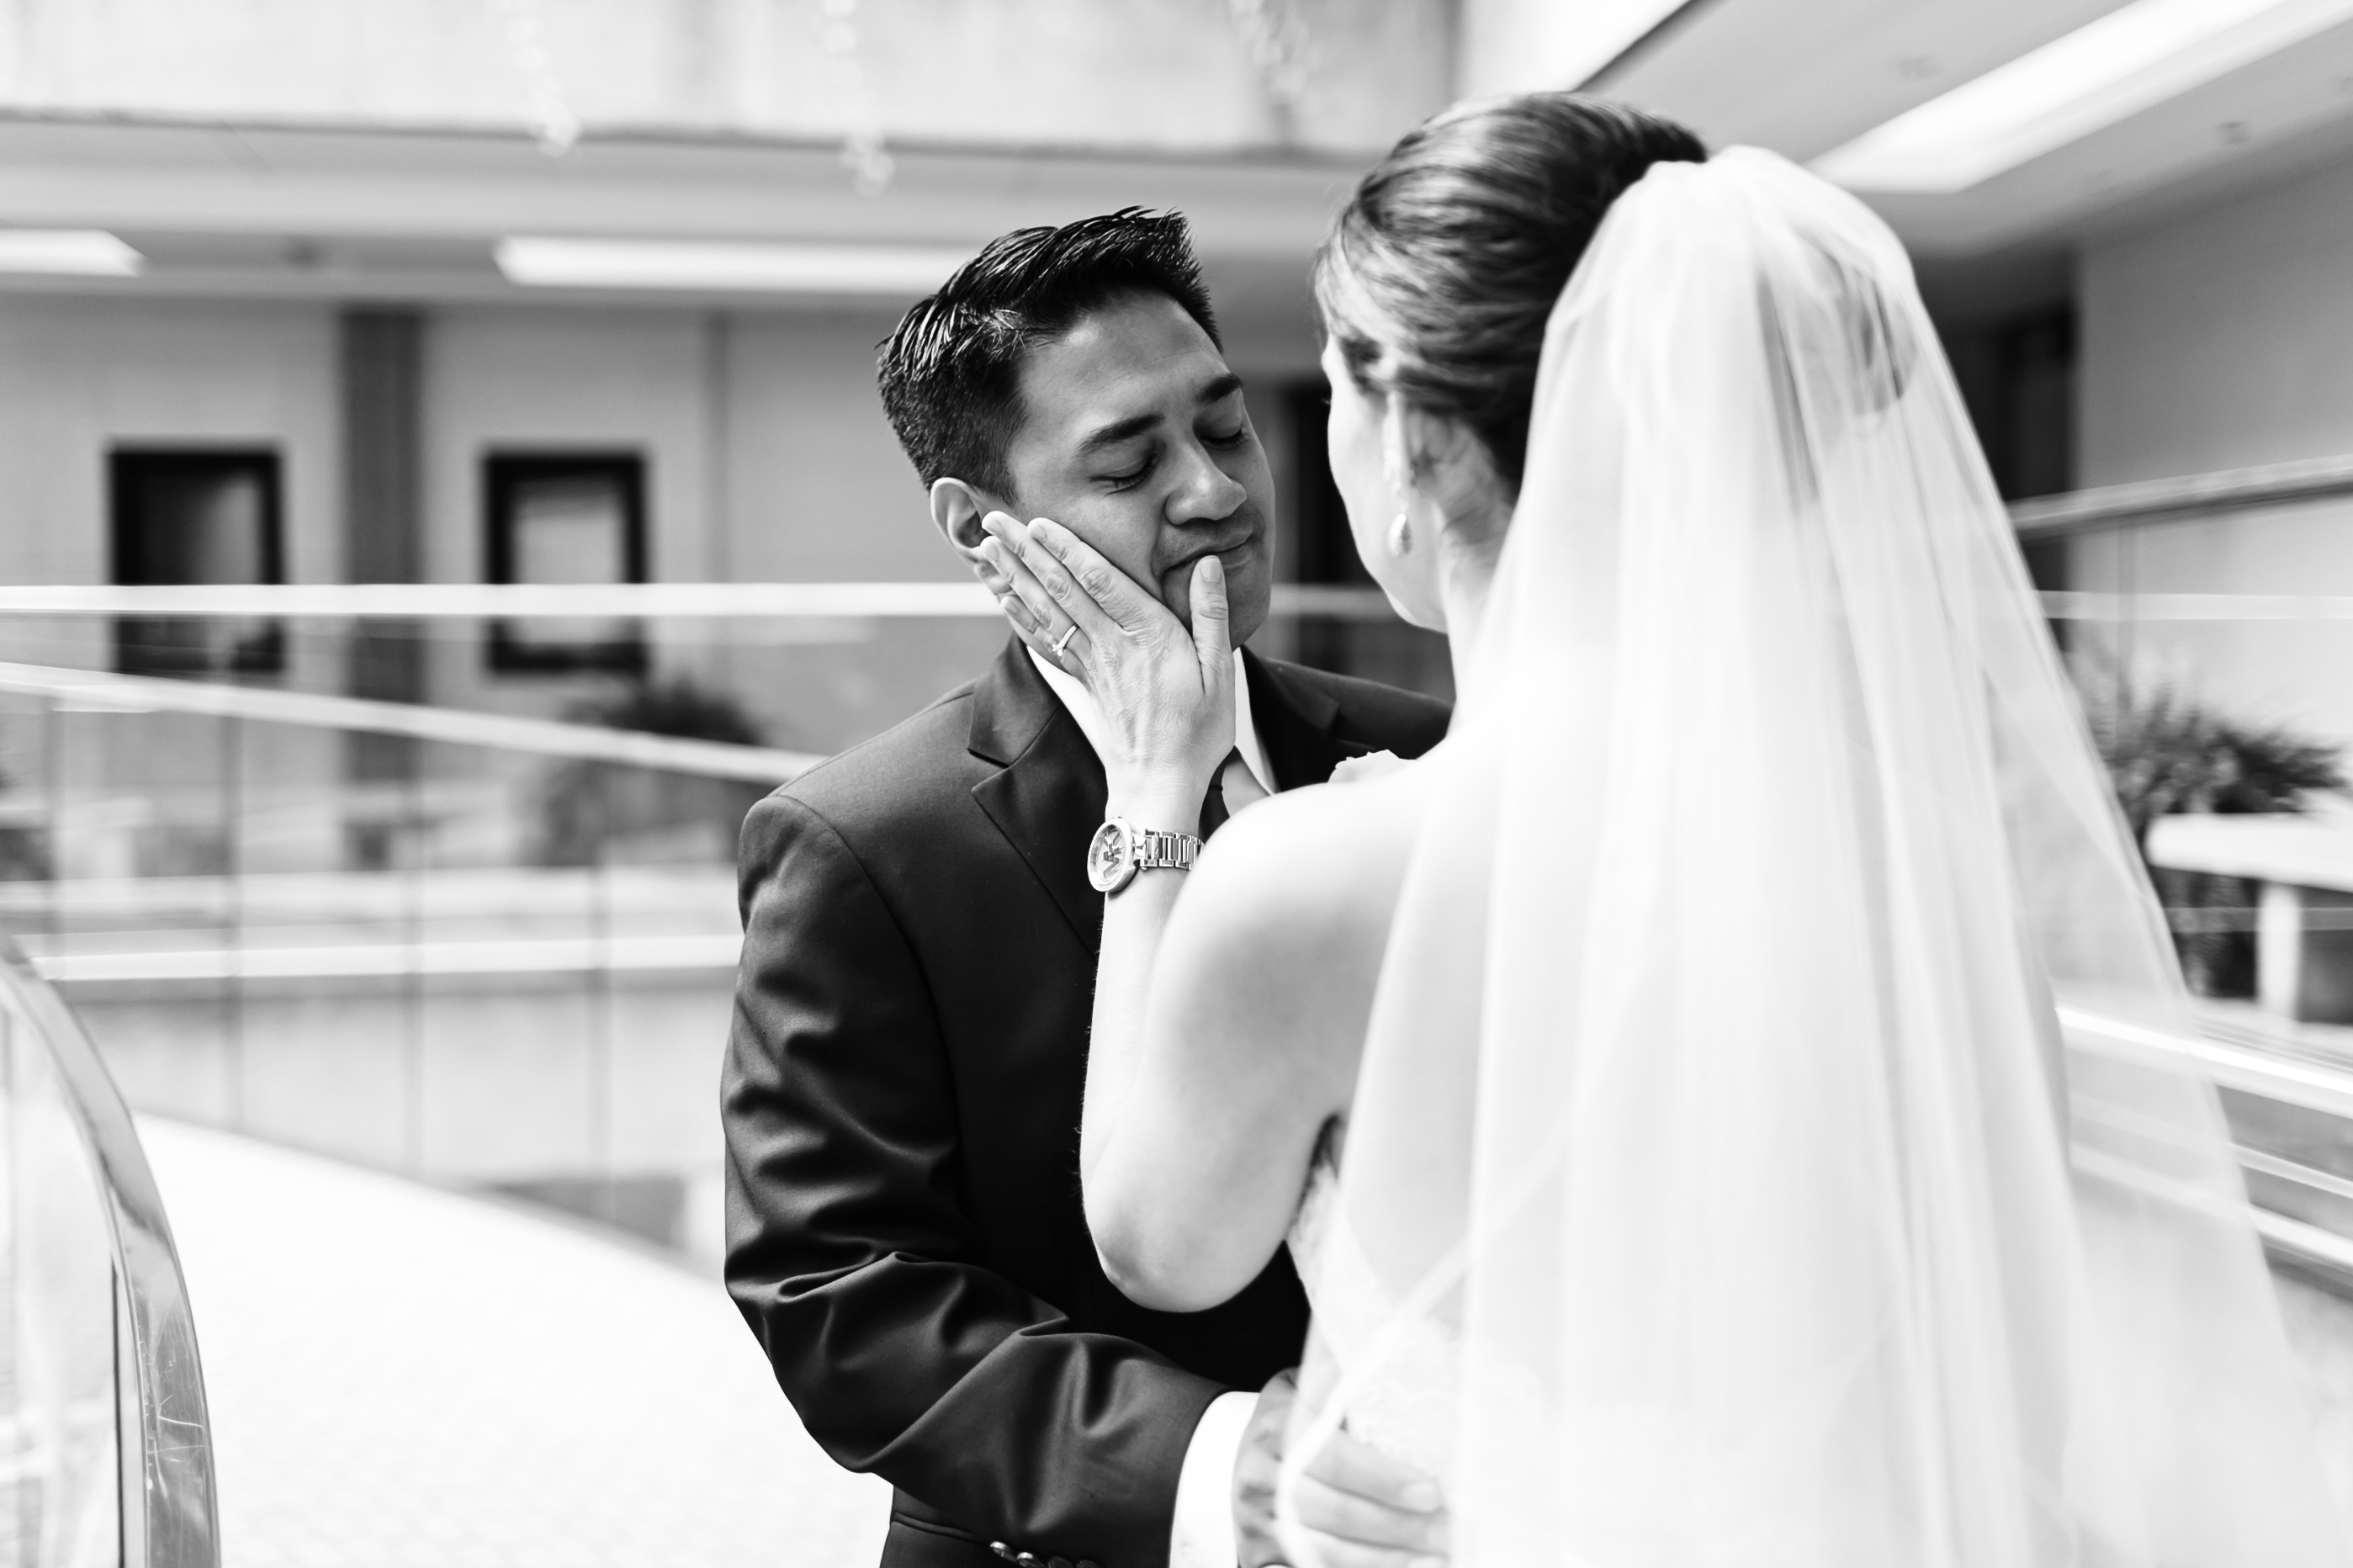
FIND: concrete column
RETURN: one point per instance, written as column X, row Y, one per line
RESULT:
column 2304, row 953
column 383, row 399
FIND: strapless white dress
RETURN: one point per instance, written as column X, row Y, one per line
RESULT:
column 1405, row 1402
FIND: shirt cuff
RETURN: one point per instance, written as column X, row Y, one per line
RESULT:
column 1203, row 1533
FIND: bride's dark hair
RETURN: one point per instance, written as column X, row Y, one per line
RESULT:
column 1437, row 275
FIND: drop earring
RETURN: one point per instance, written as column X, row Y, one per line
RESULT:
column 1401, row 535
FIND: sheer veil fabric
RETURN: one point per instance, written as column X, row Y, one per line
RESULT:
column 1776, row 1101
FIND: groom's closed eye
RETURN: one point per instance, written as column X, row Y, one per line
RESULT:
column 1223, row 421
column 1231, row 439
column 1131, row 477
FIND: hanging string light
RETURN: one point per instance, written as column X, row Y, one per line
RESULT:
column 1276, row 39
column 552, row 123
column 863, row 153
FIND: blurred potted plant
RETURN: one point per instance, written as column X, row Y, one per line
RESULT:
column 2167, row 752
column 591, row 811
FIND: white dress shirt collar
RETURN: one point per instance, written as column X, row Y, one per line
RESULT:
column 1081, row 703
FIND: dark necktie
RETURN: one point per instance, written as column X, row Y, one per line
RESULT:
column 1213, row 804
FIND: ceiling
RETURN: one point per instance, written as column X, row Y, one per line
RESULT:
column 336, row 213
column 344, row 211
column 1802, row 76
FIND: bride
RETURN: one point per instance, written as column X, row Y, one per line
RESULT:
column 1729, row 1103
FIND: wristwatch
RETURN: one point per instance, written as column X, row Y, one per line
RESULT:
column 1120, row 849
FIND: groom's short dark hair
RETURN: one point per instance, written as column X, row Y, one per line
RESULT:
column 950, row 371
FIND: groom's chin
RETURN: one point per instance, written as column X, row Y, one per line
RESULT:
column 1249, row 592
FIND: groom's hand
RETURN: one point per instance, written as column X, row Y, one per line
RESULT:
column 1358, row 1508
column 1256, row 1468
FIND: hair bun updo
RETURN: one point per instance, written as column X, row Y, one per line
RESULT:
column 1438, row 275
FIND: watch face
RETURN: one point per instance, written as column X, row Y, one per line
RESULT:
column 1108, row 865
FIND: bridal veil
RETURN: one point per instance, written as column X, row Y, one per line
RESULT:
column 1777, row 1096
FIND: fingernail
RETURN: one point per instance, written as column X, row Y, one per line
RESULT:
column 1421, row 1496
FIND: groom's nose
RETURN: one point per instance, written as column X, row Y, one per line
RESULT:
column 1204, row 492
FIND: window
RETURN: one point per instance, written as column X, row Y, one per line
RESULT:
column 181, row 516
column 566, row 518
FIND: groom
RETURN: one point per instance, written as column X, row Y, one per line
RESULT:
column 904, row 1233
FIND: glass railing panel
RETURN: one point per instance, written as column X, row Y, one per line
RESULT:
column 61, row 1501
column 485, row 957
column 2208, row 622
column 105, row 1443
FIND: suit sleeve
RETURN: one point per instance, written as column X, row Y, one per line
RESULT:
column 851, row 1256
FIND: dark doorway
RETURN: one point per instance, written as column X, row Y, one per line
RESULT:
column 187, row 516
column 566, row 518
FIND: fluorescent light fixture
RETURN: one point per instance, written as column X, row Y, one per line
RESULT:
column 2133, row 58
column 728, row 266
column 1519, row 45
column 80, row 252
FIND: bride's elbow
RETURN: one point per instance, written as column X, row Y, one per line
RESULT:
column 1154, row 1287
column 1154, row 1271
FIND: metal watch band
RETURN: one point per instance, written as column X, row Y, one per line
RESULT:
column 1155, row 850
column 1119, row 849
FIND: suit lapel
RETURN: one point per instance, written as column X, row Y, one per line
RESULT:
column 1295, row 721
column 1050, row 793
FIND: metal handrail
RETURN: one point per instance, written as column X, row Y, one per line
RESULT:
column 177, row 1524
column 642, row 601
column 543, row 737
column 2190, row 495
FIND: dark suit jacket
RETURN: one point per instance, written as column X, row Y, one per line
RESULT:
column 904, row 1233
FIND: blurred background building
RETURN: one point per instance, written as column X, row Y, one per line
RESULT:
column 441, row 485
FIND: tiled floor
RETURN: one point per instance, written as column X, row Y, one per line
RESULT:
column 2320, row 1328
column 402, row 1377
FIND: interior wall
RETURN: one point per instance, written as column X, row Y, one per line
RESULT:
column 79, row 377
column 2223, row 339
column 818, row 488
column 521, row 379
column 818, row 491
column 768, row 458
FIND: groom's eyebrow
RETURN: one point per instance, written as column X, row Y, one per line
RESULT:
column 1119, row 430
column 1218, row 390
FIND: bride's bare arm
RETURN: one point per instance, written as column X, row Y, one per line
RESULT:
column 1165, row 720
column 1246, row 1043
column 1228, row 1001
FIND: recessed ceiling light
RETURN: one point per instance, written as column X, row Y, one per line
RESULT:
column 724, row 266
column 81, row 252
column 2134, row 57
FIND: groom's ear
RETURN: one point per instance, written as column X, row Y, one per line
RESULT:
column 956, row 511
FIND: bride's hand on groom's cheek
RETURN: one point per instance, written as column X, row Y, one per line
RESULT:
column 1166, row 693
column 1017, row 587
